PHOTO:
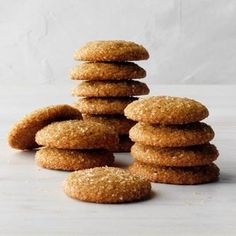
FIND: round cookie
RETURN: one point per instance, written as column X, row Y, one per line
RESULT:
column 106, row 185
column 110, row 89
column 166, row 110
column 177, row 156
column 22, row 134
column 172, row 135
column 77, row 134
column 121, row 124
column 124, row 144
column 111, row 50
column 103, row 106
column 176, row 175
column 71, row 160
column 107, row 71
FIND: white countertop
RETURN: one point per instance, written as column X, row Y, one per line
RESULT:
column 32, row 201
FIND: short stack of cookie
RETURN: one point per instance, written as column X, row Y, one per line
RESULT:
column 69, row 142
column 171, row 144
column 109, row 84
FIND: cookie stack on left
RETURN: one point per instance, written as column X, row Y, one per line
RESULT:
column 109, row 84
column 69, row 142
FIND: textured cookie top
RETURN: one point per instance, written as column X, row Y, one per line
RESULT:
column 110, row 89
column 172, row 135
column 106, row 185
column 22, row 134
column 63, row 159
column 177, row 156
column 166, row 110
column 111, row 50
column 107, row 71
column 77, row 134
column 103, row 106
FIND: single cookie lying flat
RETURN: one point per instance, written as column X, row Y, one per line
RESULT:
column 177, row 156
column 110, row 89
column 124, row 144
column 107, row 71
column 172, row 135
column 103, row 106
column 77, row 134
column 71, row 160
column 106, row 185
column 166, row 110
column 176, row 175
column 22, row 134
column 111, row 50
column 121, row 124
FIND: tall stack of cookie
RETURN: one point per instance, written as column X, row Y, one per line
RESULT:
column 109, row 86
column 172, row 145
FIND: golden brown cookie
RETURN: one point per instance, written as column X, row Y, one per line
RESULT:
column 71, row 160
column 110, row 89
column 177, row 156
column 124, row 144
column 176, row 175
column 22, row 134
column 106, row 185
column 107, row 71
column 166, row 110
column 77, row 134
column 103, row 106
column 111, row 50
column 121, row 124
column 171, row 135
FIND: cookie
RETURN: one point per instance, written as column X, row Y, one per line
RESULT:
column 176, row 175
column 77, row 134
column 124, row 144
column 107, row 71
column 110, row 89
column 22, row 134
column 166, row 110
column 177, row 156
column 121, row 124
column 103, row 106
column 71, row 160
column 106, row 185
column 172, row 135
column 111, row 50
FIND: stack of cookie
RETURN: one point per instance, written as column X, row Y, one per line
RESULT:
column 69, row 142
column 172, row 145
column 109, row 85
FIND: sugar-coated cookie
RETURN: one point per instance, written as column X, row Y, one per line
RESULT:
column 106, row 185
column 111, row 50
column 77, row 134
column 176, row 175
column 124, row 144
column 103, row 106
column 107, row 71
column 177, row 156
column 172, row 135
column 110, row 89
column 166, row 110
column 71, row 160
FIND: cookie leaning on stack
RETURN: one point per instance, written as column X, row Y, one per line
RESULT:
column 109, row 86
column 172, row 145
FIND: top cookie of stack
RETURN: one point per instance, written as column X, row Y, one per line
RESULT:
column 172, row 145
column 109, row 85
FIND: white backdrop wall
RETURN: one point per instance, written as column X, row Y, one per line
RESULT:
column 190, row 41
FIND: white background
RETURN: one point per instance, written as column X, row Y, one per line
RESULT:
column 190, row 41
